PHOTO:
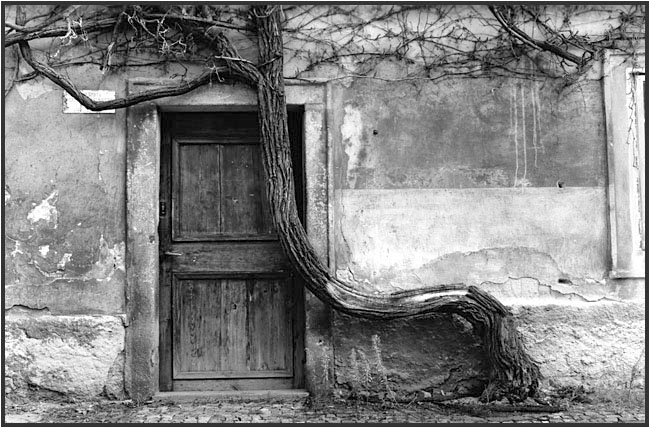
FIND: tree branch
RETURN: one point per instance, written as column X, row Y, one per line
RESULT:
column 90, row 104
column 184, row 18
column 536, row 44
column 235, row 67
column 91, row 27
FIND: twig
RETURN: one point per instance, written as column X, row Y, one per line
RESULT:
column 194, row 19
column 111, row 46
column 232, row 58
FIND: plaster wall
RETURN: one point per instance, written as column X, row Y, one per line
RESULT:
column 496, row 183
column 64, row 259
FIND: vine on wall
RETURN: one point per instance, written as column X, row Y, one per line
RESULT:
column 427, row 42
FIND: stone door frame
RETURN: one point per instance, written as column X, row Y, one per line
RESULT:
column 142, row 201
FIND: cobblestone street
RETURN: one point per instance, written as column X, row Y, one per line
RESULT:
column 261, row 412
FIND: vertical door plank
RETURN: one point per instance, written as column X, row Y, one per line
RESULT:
column 196, row 329
column 242, row 190
column 270, row 328
column 232, row 323
column 199, row 189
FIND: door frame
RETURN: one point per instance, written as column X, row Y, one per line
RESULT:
column 143, row 132
column 167, row 378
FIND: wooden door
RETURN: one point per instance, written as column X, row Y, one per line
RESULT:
column 230, row 308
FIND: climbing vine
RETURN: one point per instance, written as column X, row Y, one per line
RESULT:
column 326, row 42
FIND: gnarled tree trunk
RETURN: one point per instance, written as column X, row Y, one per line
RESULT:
column 512, row 372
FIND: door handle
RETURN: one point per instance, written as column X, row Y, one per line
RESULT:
column 171, row 253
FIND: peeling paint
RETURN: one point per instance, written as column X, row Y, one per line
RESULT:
column 33, row 89
column 7, row 195
column 351, row 133
column 60, row 266
column 44, row 250
column 109, row 261
column 45, row 211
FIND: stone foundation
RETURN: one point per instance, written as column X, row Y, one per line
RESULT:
column 596, row 345
column 73, row 355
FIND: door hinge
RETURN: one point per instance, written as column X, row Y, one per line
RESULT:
column 163, row 209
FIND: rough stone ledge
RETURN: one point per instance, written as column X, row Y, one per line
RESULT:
column 598, row 345
column 73, row 355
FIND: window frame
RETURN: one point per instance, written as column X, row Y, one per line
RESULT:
column 626, row 141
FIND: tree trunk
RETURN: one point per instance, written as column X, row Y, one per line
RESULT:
column 512, row 372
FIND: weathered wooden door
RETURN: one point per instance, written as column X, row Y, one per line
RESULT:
column 230, row 308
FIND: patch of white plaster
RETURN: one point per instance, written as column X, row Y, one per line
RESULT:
column 7, row 195
column 110, row 260
column 64, row 260
column 45, row 211
column 33, row 89
column 351, row 132
column 44, row 250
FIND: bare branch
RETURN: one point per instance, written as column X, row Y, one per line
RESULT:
column 185, row 18
column 90, row 27
column 236, row 68
column 90, row 104
column 537, row 44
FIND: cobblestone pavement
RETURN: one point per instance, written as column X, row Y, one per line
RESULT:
column 260, row 412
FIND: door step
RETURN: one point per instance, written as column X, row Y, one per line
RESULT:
column 271, row 395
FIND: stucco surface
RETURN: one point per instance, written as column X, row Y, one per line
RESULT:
column 413, row 237
column 78, row 355
column 598, row 345
column 64, row 271
column 464, row 133
column 64, row 246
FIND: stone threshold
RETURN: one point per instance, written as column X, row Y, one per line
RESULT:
column 278, row 395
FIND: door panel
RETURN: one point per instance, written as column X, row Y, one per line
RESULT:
column 220, row 314
column 269, row 313
column 197, row 190
column 230, row 308
column 244, row 209
column 218, row 191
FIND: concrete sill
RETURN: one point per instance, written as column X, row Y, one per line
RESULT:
column 626, row 274
column 283, row 395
